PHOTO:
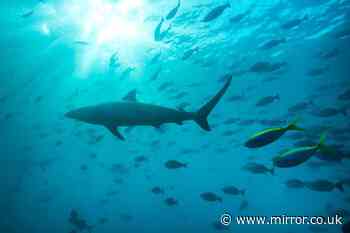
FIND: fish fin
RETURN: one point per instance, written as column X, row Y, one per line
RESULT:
column 159, row 128
column 202, row 114
column 131, row 96
column 322, row 140
column 339, row 186
column 272, row 171
column 277, row 97
column 243, row 192
column 293, row 125
column 115, row 132
column 179, row 123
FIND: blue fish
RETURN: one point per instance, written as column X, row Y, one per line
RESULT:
column 216, row 12
column 173, row 12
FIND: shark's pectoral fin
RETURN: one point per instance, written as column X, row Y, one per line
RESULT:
column 115, row 132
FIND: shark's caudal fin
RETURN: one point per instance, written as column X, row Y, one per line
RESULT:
column 204, row 111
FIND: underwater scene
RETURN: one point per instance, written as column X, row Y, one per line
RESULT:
column 175, row 116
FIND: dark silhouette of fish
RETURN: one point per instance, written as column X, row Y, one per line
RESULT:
column 301, row 106
column 345, row 33
column 266, row 67
column 189, row 53
column 174, row 164
column 171, row 201
column 81, row 42
column 324, row 185
column 155, row 58
column 272, row 43
column 27, row 14
column 330, row 54
column 345, row 95
column 216, row 12
column 293, row 23
column 267, row 100
column 295, row 184
column 173, row 12
column 317, row 71
column 238, row 18
column 132, row 113
column 158, row 33
column 156, row 74
column 257, row 168
column 329, row 112
column 210, row 197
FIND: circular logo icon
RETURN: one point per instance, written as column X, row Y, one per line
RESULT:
column 225, row 219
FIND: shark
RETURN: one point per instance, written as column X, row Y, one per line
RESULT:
column 129, row 113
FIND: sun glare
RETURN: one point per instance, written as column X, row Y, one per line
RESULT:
column 102, row 28
column 104, row 21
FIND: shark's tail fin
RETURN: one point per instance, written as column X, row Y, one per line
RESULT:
column 202, row 114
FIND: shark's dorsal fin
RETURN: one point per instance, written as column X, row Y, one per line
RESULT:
column 131, row 96
column 115, row 132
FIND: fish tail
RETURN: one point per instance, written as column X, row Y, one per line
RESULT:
column 272, row 171
column 293, row 126
column 277, row 97
column 243, row 192
column 321, row 143
column 339, row 186
column 202, row 114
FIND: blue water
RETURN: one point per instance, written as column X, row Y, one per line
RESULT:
column 58, row 55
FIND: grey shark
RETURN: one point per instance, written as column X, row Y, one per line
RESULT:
column 130, row 113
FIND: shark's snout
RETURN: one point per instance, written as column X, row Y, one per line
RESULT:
column 80, row 115
column 70, row 114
